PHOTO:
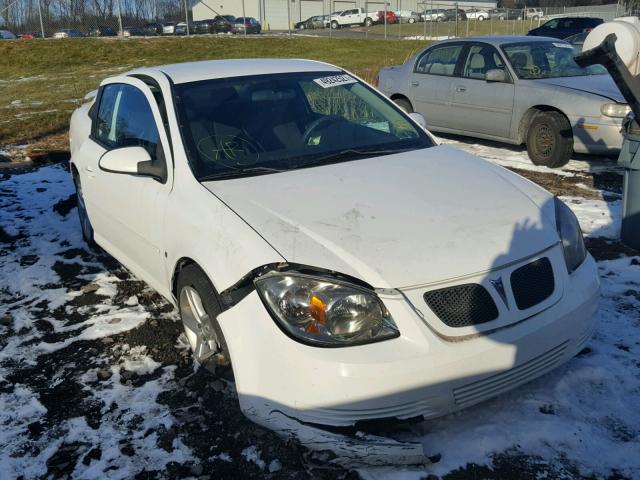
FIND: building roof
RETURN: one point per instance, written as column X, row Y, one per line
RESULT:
column 210, row 69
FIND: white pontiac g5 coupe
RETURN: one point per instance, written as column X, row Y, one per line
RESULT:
column 317, row 239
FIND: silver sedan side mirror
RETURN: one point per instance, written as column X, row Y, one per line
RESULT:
column 419, row 119
column 495, row 75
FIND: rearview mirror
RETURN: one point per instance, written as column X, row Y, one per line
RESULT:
column 495, row 75
column 124, row 160
column 419, row 119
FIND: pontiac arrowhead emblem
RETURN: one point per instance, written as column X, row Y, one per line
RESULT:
column 499, row 286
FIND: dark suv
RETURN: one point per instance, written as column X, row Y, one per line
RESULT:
column 450, row 14
column 102, row 31
column 565, row 27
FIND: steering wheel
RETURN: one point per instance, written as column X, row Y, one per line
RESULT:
column 534, row 69
column 317, row 123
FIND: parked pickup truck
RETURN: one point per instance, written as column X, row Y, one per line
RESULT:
column 354, row 16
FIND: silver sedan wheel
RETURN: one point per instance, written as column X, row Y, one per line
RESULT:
column 197, row 325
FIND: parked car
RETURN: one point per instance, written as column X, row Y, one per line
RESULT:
column 505, row 13
column 132, row 32
column 181, row 28
column 532, row 13
column 68, row 33
column 407, row 16
column 30, row 35
column 354, row 16
column 435, row 15
column 101, row 31
column 168, row 28
column 311, row 23
column 477, row 14
column 577, row 40
column 152, row 29
column 451, row 13
column 566, row 26
column 218, row 24
column 391, row 17
column 7, row 35
column 515, row 90
column 409, row 279
column 248, row 24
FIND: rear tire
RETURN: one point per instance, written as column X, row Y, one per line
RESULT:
column 404, row 104
column 302, row 27
column 368, row 22
column 480, row 19
column 199, row 308
column 550, row 140
column 412, row 20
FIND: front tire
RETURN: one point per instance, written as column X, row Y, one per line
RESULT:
column 83, row 216
column 335, row 25
column 550, row 140
column 480, row 19
column 368, row 22
column 199, row 308
column 412, row 20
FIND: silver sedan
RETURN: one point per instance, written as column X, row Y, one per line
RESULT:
column 515, row 90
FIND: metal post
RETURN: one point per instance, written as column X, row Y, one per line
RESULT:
column 186, row 16
column 385, row 19
column 456, row 32
column 244, row 19
column 40, row 15
column 120, row 32
column 400, row 18
column 331, row 5
column 288, row 17
column 490, row 24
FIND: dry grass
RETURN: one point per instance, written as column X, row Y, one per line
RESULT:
column 41, row 81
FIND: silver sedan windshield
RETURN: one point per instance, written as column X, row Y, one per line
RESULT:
column 534, row 60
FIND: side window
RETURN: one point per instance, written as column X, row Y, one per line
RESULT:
column 125, row 119
column 440, row 60
column 480, row 59
column 551, row 24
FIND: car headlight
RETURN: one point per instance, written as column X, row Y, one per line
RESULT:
column 617, row 110
column 571, row 235
column 325, row 312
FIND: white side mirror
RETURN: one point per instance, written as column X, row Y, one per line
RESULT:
column 419, row 119
column 124, row 160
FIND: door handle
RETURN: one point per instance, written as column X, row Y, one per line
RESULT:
column 89, row 169
column 415, row 83
column 461, row 88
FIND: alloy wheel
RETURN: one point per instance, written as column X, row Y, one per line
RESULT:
column 197, row 325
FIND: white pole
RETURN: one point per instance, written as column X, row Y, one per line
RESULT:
column 385, row 20
column 40, row 15
column 244, row 19
column 289, row 16
column 121, row 33
column 186, row 17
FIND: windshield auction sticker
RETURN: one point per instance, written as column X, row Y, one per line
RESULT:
column 335, row 80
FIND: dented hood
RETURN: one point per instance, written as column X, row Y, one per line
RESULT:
column 394, row 221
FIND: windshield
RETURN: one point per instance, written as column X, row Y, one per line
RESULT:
column 264, row 123
column 546, row 60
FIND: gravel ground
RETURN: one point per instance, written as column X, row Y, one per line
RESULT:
column 96, row 380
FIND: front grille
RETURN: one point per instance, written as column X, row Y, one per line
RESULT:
column 502, row 382
column 532, row 283
column 462, row 305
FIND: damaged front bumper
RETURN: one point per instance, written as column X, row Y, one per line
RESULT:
column 291, row 388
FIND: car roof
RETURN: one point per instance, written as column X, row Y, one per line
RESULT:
column 211, row 69
column 497, row 40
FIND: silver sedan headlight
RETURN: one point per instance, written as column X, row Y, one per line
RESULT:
column 616, row 110
column 571, row 236
column 325, row 312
